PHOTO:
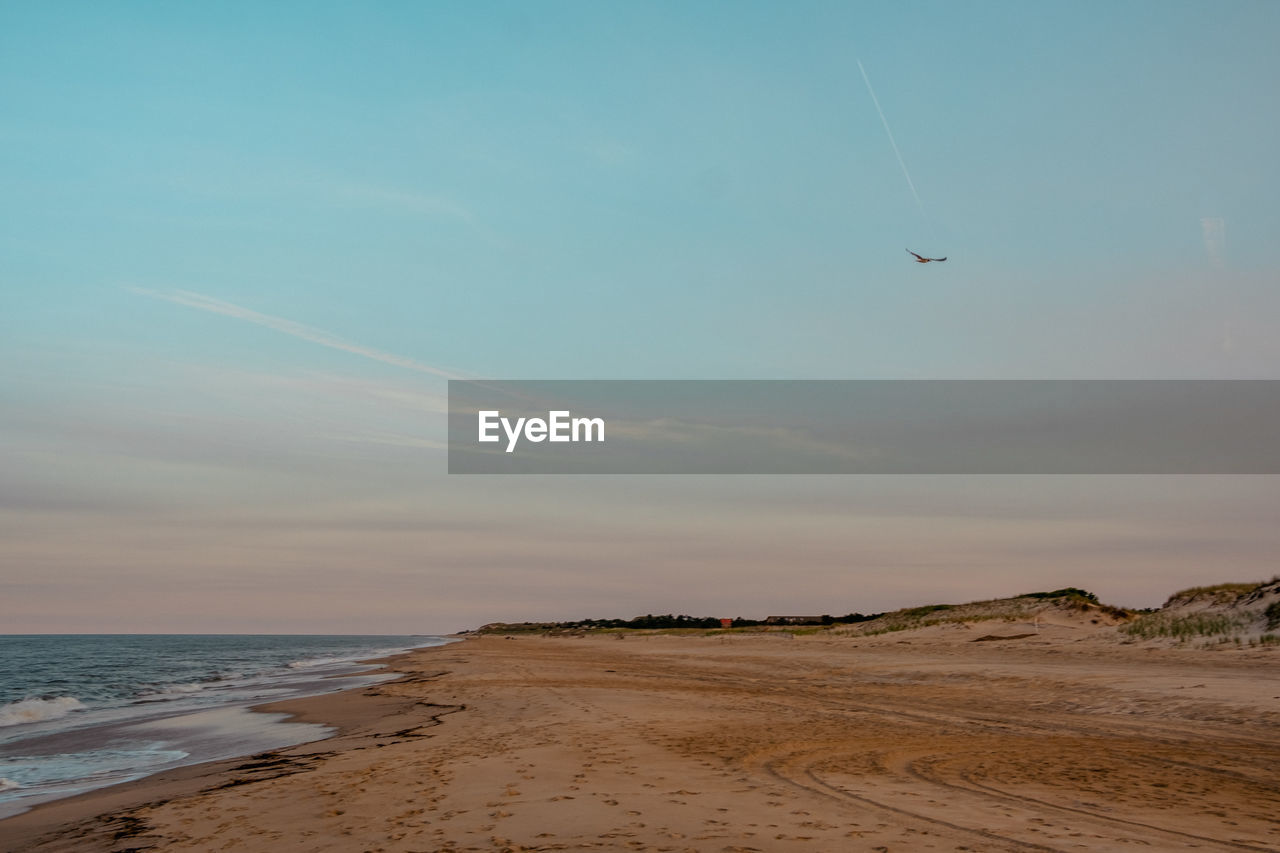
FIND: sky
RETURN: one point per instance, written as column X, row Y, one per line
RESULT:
column 243, row 246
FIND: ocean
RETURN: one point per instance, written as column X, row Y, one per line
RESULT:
column 81, row 711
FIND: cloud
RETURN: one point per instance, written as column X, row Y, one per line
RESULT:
column 290, row 327
column 418, row 203
column 429, row 205
column 742, row 438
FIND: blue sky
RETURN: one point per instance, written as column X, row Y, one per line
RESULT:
column 241, row 243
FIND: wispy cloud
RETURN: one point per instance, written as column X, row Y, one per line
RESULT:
column 201, row 302
column 747, row 438
column 418, row 203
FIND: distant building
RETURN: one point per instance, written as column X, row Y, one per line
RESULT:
column 726, row 623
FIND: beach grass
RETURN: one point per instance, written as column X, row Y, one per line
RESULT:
column 1272, row 615
column 1223, row 593
column 1188, row 626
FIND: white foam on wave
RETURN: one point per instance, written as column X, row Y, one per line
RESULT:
column 367, row 654
column 8, row 784
column 308, row 663
column 184, row 688
column 35, row 710
column 172, row 691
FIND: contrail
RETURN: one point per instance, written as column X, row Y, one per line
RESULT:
column 298, row 330
column 885, row 122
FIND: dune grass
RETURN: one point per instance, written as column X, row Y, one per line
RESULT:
column 1186, row 627
column 1222, row 593
column 1272, row 614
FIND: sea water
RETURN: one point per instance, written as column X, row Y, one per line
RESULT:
column 83, row 711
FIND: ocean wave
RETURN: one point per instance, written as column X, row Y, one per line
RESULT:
column 181, row 688
column 8, row 784
column 35, row 710
column 169, row 692
column 308, row 663
column 353, row 657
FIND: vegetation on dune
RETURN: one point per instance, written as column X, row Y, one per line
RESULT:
column 1221, row 614
column 1222, row 593
column 852, row 623
column 648, row 621
column 669, row 622
column 1272, row 614
column 1188, row 626
column 1065, row 592
column 1024, row 606
column 1233, row 612
column 913, row 612
column 892, row 622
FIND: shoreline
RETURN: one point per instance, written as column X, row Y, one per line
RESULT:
column 930, row 740
column 341, row 710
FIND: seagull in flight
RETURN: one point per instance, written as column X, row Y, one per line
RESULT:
column 920, row 259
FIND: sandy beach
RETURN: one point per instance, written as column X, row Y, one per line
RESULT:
column 986, row 737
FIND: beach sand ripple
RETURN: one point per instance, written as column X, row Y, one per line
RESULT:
column 1050, row 740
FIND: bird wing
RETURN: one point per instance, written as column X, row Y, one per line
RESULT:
column 937, row 259
column 909, row 252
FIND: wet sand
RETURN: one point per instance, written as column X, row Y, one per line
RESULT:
column 1049, row 737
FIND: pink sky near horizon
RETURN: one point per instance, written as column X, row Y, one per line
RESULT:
column 533, row 548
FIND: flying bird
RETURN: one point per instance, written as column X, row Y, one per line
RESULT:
column 920, row 259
